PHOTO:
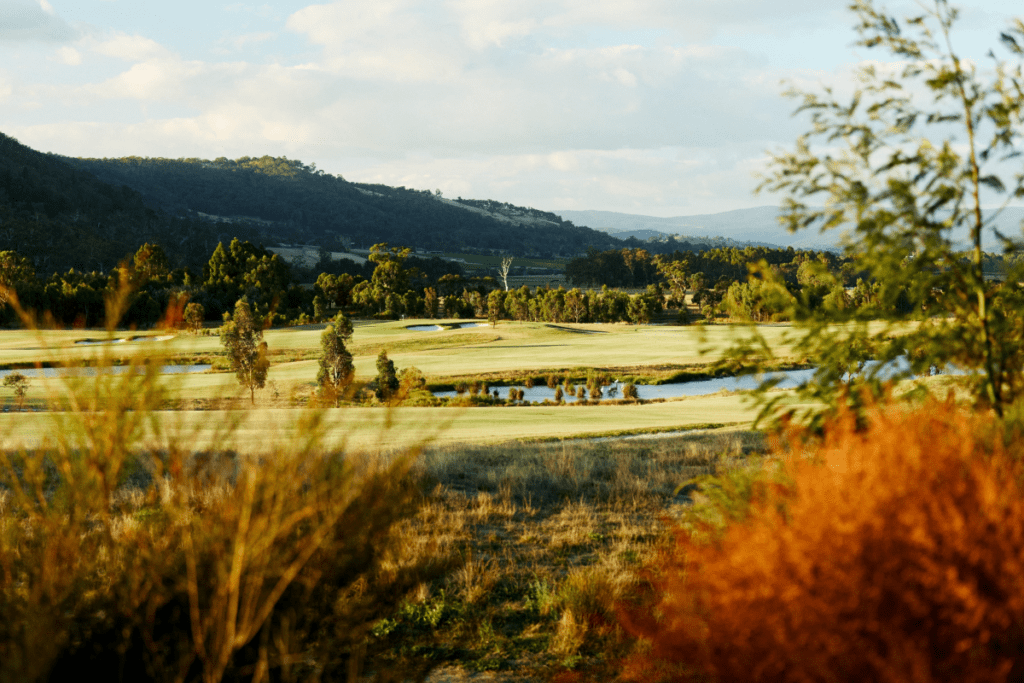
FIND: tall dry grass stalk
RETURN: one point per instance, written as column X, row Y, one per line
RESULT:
column 126, row 554
column 892, row 554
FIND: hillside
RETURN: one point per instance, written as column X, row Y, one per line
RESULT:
column 62, row 217
column 287, row 201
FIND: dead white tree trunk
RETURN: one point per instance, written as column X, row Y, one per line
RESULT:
column 506, row 262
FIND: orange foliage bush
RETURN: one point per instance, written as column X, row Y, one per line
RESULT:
column 897, row 555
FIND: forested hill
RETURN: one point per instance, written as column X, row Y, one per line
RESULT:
column 288, row 201
column 60, row 216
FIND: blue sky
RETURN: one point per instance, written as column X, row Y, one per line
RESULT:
column 660, row 107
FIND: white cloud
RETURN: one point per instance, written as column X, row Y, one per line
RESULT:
column 664, row 181
column 245, row 40
column 555, row 103
column 69, row 55
column 130, row 48
column 485, row 22
column 23, row 20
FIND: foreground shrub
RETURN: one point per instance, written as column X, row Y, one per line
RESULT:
column 896, row 554
column 126, row 553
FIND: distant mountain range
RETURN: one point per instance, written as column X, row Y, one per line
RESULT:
column 757, row 226
column 754, row 226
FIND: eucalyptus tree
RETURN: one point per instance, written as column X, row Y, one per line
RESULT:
column 907, row 165
column 336, row 367
column 242, row 337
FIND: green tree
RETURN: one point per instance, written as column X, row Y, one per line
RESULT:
column 243, row 269
column 430, row 302
column 389, row 275
column 150, row 263
column 762, row 298
column 639, row 310
column 14, row 268
column 575, row 304
column 387, row 379
column 242, row 338
column 194, row 316
column 676, row 274
column 336, row 368
column 337, row 288
column 495, row 306
column 19, row 384
column 907, row 175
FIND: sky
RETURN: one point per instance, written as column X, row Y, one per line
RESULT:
column 655, row 107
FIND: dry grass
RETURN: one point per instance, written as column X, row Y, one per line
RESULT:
column 551, row 536
column 128, row 553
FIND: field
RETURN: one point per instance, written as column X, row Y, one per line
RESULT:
column 541, row 526
column 507, row 351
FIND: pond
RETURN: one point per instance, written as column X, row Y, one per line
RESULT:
column 702, row 387
column 115, row 370
column 439, row 328
column 123, row 340
column 788, row 379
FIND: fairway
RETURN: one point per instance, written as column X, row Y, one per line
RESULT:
column 380, row 428
column 508, row 349
column 518, row 347
column 481, row 351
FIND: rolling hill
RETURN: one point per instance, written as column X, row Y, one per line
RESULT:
column 287, row 201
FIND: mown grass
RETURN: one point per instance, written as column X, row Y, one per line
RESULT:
column 509, row 350
column 366, row 427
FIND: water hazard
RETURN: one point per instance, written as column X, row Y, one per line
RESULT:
column 439, row 328
column 114, row 370
column 123, row 340
column 787, row 380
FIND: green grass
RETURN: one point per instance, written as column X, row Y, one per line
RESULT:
column 506, row 353
column 365, row 427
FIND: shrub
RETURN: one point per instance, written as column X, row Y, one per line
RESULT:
column 125, row 552
column 897, row 554
column 19, row 386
